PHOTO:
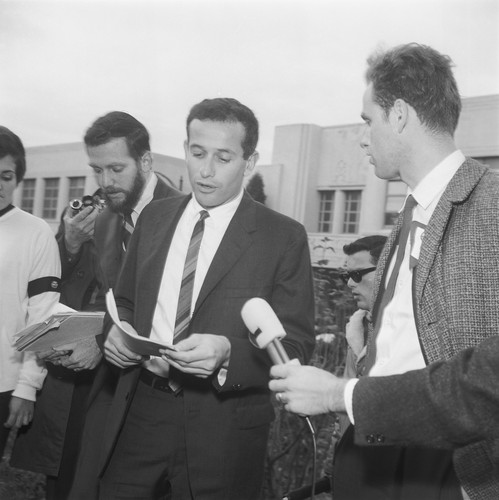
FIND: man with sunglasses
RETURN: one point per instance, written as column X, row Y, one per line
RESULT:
column 362, row 258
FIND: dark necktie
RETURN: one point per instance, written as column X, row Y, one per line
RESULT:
column 127, row 229
column 387, row 295
column 183, row 315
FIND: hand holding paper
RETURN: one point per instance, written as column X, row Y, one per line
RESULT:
column 124, row 334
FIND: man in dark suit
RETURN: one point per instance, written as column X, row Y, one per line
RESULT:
column 91, row 245
column 193, row 423
column 435, row 304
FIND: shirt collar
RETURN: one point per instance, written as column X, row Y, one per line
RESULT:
column 434, row 183
column 226, row 210
column 8, row 208
column 147, row 195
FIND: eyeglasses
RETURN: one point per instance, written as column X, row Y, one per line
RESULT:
column 356, row 275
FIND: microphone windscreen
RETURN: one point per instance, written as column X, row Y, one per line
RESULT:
column 261, row 320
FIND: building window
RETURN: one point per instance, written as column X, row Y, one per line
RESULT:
column 397, row 191
column 326, row 211
column 352, row 212
column 50, row 198
column 28, row 195
column 76, row 188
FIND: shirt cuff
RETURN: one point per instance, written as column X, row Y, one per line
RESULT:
column 348, row 397
column 25, row 392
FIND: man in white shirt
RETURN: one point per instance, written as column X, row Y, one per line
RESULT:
column 30, row 272
column 194, row 422
column 444, row 301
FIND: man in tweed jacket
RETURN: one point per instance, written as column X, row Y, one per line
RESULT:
column 444, row 313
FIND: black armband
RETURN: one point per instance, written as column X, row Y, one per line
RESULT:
column 41, row 285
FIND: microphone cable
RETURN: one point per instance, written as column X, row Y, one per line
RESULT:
column 314, row 456
column 315, row 486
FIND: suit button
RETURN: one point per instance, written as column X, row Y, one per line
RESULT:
column 380, row 438
column 370, row 439
column 80, row 274
column 236, row 387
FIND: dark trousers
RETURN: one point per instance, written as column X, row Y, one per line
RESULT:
column 4, row 415
column 149, row 461
column 392, row 473
column 57, row 487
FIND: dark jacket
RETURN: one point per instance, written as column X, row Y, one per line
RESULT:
column 39, row 447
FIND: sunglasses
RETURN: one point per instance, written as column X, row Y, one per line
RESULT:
column 356, row 275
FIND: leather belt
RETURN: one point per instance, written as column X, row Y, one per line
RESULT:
column 154, row 381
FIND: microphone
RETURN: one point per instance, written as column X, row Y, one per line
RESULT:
column 265, row 328
column 266, row 331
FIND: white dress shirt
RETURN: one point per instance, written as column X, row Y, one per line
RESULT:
column 216, row 225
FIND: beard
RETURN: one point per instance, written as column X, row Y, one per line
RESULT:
column 131, row 197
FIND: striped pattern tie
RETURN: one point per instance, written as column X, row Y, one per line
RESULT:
column 185, row 296
column 127, row 229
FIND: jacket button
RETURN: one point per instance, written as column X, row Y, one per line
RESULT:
column 80, row 274
column 380, row 438
column 236, row 387
column 370, row 439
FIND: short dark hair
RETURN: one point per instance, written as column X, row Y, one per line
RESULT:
column 373, row 244
column 227, row 109
column 423, row 78
column 117, row 124
column 10, row 144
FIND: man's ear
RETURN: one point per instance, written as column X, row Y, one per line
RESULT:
column 146, row 162
column 250, row 163
column 399, row 115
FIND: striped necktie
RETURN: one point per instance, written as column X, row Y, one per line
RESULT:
column 127, row 229
column 185, row 295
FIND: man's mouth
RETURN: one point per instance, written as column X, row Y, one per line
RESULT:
column 206, row 188
column 112, row 193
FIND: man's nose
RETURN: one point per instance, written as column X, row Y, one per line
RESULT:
column 107, row 179
column 208, row 168
column 364, row 139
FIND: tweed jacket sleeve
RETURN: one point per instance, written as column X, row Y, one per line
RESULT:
column 447, row 405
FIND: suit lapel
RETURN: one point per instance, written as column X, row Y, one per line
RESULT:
column 153, row 258
column 236, row 240
column 458, row 189
column 108, row 241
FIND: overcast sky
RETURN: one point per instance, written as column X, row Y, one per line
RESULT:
column 66, row 62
